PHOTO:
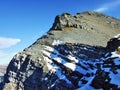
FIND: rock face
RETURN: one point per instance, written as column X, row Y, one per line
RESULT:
column 72, row 55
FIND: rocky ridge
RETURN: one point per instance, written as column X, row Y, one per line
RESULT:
column 72, row 55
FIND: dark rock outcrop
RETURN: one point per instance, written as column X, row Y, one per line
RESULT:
column 114, row 43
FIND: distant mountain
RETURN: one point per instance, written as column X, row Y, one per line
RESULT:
column 3, row 69
column 2, row 72
column 75, row 53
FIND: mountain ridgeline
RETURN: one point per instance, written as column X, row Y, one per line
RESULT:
column 76, row 53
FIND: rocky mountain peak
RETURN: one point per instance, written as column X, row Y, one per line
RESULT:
column 90, row 27
column 62, row 21
column 77, row 21
column 73, row 54
column 67, row 20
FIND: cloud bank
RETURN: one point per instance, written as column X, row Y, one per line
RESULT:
column 8, row 42
column 108, row 6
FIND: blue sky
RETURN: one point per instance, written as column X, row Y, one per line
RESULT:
column 23, row 21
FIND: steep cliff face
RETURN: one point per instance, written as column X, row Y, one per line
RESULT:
column 72, row 55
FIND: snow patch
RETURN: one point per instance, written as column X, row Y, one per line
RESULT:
column 62, row 76
column 46, row 79
column 115, row 78
column 49, row 48
column 115, row 55
column 46, row 53
column 72, row 58
column 71, row 66
column 117, row 36
column 87, row 86
column 57, row 42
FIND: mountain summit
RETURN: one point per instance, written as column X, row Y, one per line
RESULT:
column 89, row 28
column 75, row 53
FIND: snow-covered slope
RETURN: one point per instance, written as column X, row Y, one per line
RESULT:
column 69, row 66
column 79, row 66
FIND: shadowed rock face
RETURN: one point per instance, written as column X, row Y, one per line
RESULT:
column 72, row 55
column 114, row 43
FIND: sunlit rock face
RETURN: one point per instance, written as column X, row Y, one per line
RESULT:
column 73, row 54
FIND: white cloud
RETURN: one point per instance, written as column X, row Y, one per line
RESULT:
column 8, row 42
column 101, row 9
column 108, row 6
column 5, row 57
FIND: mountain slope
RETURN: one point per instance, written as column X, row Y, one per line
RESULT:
column 72, row 55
